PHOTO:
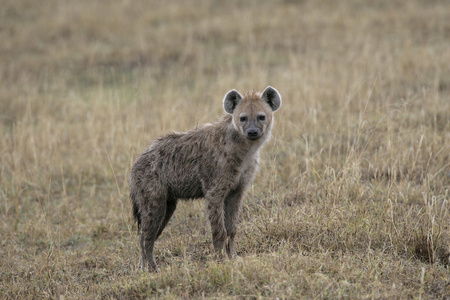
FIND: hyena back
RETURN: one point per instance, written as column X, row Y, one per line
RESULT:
column 216, row 162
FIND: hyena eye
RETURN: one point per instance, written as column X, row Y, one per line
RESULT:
column 243, row 118
column 261, row 118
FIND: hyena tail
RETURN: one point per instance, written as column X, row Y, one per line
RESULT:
column 136, row 211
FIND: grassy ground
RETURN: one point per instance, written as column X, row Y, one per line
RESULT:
column 352, row 197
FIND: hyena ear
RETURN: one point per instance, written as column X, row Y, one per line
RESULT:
column 272, row 97
column 231, row 100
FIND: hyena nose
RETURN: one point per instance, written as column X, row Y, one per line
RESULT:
column 252, row 133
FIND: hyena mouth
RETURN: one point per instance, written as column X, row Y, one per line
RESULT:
column 254, row 137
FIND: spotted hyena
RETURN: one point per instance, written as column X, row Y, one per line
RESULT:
column 216, row 161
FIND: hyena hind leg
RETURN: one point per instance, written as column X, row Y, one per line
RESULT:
column 171, row 206
column 148, row 262
column 152, row 227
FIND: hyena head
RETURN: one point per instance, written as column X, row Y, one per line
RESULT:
column 252, row 113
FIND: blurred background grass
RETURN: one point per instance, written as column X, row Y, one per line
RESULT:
column 352, row 195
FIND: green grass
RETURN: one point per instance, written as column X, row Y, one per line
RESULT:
column 352, row 196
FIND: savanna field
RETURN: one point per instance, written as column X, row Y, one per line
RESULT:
column 352, row 196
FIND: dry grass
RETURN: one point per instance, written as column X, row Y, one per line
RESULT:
column 352, row 197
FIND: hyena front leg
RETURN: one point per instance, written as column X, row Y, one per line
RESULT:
column 215, row 207
column 232, row 207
